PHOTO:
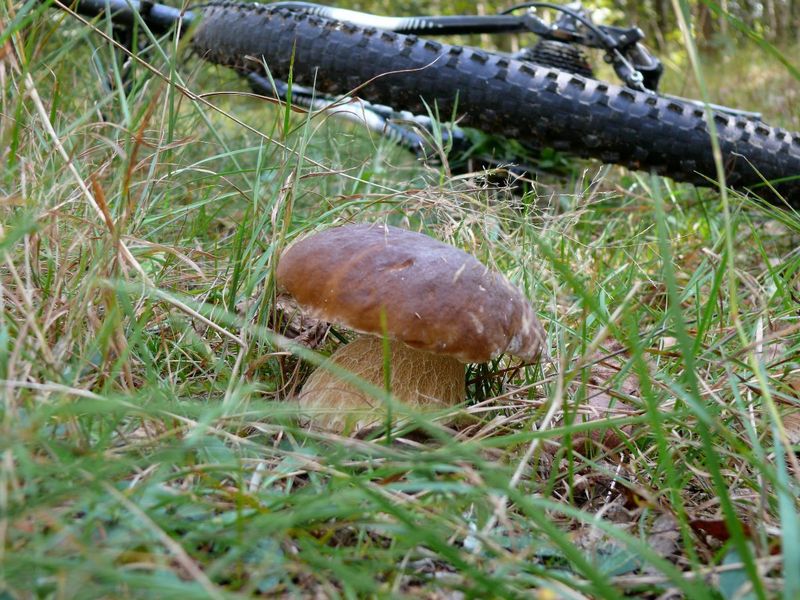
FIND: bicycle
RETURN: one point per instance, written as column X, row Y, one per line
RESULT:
column 543, row 96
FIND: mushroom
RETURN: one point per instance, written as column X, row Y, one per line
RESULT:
column 442, row 308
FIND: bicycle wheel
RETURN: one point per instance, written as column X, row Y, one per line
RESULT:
column 531, row 103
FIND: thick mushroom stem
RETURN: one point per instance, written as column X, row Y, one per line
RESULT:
column 420, row 380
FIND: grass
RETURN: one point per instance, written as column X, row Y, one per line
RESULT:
column 148, row 439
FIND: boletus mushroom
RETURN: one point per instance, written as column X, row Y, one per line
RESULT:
column 442, row 308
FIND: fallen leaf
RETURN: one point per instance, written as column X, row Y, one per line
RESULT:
column 791, row 422
column 716, row 528
column 665, row 536
column 604, row 401
column 735, row 584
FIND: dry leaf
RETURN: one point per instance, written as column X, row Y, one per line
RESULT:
column 791, row 422
column 664, row 538
column 604, row 401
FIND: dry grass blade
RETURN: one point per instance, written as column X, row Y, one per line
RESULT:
column 87, row 194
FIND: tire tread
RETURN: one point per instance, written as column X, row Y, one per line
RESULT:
column 535, row 104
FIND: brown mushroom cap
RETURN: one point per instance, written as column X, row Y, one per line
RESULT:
column 436, row 297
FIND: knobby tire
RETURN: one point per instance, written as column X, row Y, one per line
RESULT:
column 494, row 93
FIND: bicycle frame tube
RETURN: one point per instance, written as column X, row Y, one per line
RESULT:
column 418, row 25
column 159, row 17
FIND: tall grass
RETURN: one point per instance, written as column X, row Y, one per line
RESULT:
column 149, row 440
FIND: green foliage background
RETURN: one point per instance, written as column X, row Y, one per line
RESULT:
column 776, row 20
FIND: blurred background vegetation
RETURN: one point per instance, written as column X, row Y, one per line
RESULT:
column 775, row 20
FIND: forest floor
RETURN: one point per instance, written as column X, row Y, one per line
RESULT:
column 149, row 440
